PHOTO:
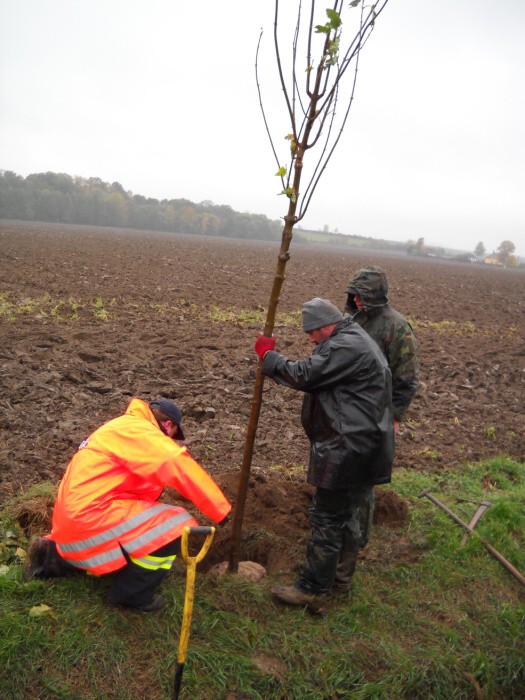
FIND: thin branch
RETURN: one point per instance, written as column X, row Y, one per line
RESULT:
column 309, row 66
column 296, row 89
column 325, row 111
column 261, row 103
column 312, row 185
column 359, row 41
column 280, row 69
column 366, row 25
column 328, row 69
column 307, row 196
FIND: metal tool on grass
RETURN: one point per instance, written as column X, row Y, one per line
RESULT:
column 483, row 506
column 191, row 568
column 488, row 547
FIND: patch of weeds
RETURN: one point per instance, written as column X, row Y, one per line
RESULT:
column 55, row 311
column 429, row 453
column 40, row 307
column 461, row 328
column 209, row 450
column 161, row 309
column 6, row 307
column 292, row 319
column 74, row 307
column 100, row 311
column 292, row 472
column 236, row 315
column 448, row 327
column 490, row 432
column 26, row 307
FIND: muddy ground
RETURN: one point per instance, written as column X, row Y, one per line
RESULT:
column 91, row 317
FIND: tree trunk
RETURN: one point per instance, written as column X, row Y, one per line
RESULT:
column 244, row 477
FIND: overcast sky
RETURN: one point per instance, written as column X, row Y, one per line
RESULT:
column 161, row 97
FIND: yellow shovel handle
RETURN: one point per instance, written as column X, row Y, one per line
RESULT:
column 199, row 530
column 190, row 582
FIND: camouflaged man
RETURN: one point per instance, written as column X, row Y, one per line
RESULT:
column 367, row 303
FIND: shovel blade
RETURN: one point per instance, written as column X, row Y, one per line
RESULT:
column 178, row 680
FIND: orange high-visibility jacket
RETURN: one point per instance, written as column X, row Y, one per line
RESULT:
column 107, row 497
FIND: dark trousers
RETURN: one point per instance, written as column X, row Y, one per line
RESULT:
column 133, row 584
column 334, row 539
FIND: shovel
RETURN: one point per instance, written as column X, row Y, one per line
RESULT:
column 191, row 568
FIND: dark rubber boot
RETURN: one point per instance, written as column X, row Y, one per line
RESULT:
column 37, row 553
column 43, row 561
column 348, row 556
column 366, row 517
column 157, row 604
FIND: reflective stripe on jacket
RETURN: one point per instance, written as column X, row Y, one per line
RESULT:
column 107, row 497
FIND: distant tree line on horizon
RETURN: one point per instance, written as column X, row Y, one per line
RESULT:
column 61, row 198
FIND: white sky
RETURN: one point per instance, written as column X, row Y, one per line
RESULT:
column 161, row 97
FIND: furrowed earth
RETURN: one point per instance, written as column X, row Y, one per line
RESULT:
column 91, row 317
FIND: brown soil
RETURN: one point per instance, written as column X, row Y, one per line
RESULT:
column 70, row 362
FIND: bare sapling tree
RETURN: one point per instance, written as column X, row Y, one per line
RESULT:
column 318, row 84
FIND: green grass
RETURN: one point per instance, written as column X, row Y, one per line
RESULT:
column 427, row 618
column 330, row 238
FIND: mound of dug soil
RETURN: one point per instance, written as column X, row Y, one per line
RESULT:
column 276, row 521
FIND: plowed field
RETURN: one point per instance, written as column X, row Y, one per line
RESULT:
column 91, row 317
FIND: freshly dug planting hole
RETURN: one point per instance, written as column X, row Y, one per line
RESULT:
column 275, row 525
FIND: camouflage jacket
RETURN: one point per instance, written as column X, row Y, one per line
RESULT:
column 391, row 331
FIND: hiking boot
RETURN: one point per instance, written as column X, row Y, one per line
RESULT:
column 291, row 595
column 37, row 554
column 157, row 603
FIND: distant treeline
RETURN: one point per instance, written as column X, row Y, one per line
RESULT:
column 60, row 198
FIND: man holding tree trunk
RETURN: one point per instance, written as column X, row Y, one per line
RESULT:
column 347, row 416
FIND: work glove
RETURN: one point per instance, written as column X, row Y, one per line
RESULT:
column 264, row 344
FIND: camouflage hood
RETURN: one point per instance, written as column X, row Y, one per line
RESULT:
column 371, row 285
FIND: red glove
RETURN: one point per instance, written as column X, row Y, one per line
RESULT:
column 263, row 344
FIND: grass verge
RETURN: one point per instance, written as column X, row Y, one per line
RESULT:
column 427, row 618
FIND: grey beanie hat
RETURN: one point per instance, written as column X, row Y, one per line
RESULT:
column 318, row 313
